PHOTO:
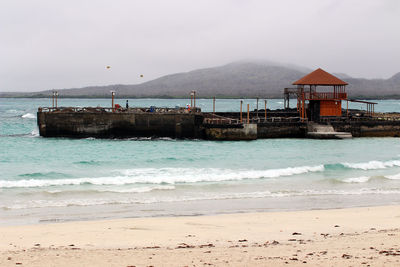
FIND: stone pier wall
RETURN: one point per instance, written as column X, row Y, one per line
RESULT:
column 190, row 125
column 369, row 128
column 231, row 132
column 119, row 125
column 282, row 130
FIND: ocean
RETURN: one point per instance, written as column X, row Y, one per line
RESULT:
column 60, row 179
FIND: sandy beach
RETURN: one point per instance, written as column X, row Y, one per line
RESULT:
column 342, row 237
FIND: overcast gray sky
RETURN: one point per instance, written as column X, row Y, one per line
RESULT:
column 46, row 44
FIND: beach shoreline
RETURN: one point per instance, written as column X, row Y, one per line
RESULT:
column 351, row 236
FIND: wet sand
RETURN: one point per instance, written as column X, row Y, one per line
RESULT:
column 342, row 237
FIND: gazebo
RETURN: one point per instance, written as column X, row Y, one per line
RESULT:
column 313, row 104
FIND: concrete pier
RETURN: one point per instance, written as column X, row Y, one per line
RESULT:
column 194, row 124
column 132, row 123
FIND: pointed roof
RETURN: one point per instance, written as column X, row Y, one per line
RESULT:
column 319, row 77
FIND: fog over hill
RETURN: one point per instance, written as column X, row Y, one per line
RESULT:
column 238, row 79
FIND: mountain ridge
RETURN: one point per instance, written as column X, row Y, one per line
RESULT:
column 241, row 79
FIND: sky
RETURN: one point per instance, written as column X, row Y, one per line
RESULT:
column 47, row 44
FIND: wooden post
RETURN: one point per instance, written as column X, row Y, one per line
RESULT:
column 53, row 99
column 347, row 108
column 241, row 118
column 257, row 108
column 191, row 99
column 214, row 105
column 265, row 109
column 248, row 113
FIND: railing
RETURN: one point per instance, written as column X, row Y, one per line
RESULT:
column 277, row 119
column 324, row 95
column 117, row 110
column 218, row 120
column 362, row 116
column 75, row 109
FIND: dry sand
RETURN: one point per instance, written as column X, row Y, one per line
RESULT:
column 345, row 237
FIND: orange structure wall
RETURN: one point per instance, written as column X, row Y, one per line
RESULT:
column 330, row 108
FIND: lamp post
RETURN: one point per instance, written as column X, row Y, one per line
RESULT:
column 56, row 99
column 52, row 98
column 194, row 99
column 191, row 98
column 112, row 100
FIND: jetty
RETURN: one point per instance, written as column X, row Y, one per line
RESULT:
column 321, row 112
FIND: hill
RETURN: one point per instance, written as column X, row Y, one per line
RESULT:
column 238, row 79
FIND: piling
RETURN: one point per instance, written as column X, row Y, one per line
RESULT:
column 265, row 109
column 214, row 105
column 248, row 113
column 241, row 118
column 257, row 108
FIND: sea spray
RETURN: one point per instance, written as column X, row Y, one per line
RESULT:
column 28, row 116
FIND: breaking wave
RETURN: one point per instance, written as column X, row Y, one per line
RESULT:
column 373, row 165
column 162, row 176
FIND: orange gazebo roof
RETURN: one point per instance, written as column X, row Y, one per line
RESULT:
column 319, row 77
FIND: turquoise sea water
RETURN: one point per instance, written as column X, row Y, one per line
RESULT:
column 57, row 179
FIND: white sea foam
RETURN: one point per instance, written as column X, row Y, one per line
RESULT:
column 165, row 175
column 373, row 165
column 361, row 179
column 393, row 177
column 35, row 133
column 142, row 189
column 28, row 116
column 13, row 111
column 76, row 201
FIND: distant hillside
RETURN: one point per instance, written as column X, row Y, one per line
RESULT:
column 239, row 79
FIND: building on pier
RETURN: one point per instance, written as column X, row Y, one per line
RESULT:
column 314, row 104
